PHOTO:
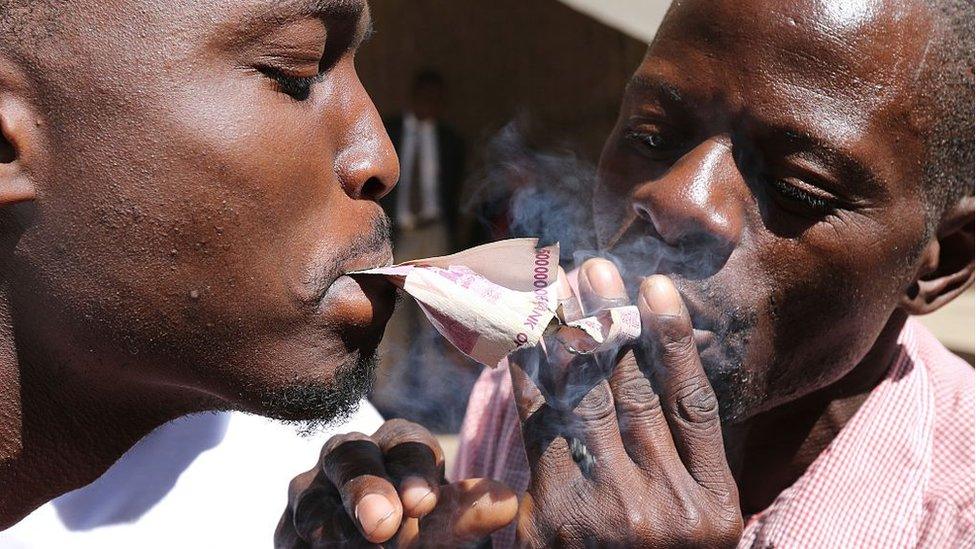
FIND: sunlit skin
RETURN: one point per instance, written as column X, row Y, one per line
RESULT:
column 804, row 188
column 764, row 195
column 183, row 184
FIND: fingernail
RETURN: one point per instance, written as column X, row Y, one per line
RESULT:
column 600, row 276
column 416, row 491
column 660, row 296
column 371, row 511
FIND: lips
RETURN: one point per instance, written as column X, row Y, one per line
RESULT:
column 333, row 271
column 369, row 260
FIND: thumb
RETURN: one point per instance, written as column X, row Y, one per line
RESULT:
column 466, row 512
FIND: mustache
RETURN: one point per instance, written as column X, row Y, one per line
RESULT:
column 377, row 236
column 641, row 247
column 695, row 268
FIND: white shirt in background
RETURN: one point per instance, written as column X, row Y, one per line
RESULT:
column 418, row 154
column 200, row 481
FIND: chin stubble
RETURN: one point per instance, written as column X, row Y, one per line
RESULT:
column 313, row 406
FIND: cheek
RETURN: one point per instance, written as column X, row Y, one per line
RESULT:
column 826, row 305
column 185, row 221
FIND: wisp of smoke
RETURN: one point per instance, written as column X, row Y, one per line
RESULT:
column 545, row 194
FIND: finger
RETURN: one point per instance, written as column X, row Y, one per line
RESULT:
column 643, row 427
column 415, row 462
column 552, row 373
column 687, row 398
column 311, row 502
column 286, row 534
column 469, row 510
column 353, row 463
column 524, row 366
column 544, row 435
column 409, row 534
column 297, row 489
column 601, row 286
column 315, row 513
column 594, row 423
column 570, row 305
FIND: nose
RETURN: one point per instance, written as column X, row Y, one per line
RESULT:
column 366, row 164
column 696, row 206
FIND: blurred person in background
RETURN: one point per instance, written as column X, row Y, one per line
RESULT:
column 424, row 205
column 424, row 209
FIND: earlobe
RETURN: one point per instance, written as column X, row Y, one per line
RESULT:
column 947, row 265
column 15, row 182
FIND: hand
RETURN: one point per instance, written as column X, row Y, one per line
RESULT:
column 389, row 487
column 613, row 461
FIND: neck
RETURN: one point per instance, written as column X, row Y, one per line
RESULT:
column 61, row 427
column 776, row 447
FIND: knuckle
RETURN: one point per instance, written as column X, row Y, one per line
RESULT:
column 400, row 431
column 696, row 403
column 338, row 440
column 398, row 428
column 638, row 400
column 597, row 405
column 679, row 346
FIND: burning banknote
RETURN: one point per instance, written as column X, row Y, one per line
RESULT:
column 490, row 300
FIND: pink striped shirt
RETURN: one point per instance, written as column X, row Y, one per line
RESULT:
column 899, row 474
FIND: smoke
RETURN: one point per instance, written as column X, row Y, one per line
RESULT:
column 523, row 191
column 549, row 194
column 544, row 194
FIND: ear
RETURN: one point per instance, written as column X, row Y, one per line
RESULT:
column 946, row 268
column 16, row 133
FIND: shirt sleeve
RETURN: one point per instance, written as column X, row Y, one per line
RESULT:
column 490, row 444
column 482, row 424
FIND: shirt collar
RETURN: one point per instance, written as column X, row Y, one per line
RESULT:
column 872, row 476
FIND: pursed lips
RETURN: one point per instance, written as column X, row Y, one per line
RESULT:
column 312, row 292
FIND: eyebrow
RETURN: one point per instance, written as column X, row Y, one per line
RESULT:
column 354, row 13
column 261, row 20
column 648, row 85
column 288, row 10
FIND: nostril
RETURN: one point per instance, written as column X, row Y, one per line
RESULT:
column 642, row 212
column 373, row 189
column 7, row 154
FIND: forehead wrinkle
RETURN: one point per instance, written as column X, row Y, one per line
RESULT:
column 828, row 38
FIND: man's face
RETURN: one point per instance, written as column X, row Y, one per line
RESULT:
column 765, row 158
column 209, row 171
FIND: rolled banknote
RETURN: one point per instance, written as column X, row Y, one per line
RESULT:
column 490, row 300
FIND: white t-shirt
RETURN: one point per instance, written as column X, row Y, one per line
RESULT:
column 205, row 480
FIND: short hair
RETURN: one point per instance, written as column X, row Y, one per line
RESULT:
column 947, row 98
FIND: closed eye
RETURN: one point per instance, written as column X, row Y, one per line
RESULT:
column 298, row 88
column 795, row 197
